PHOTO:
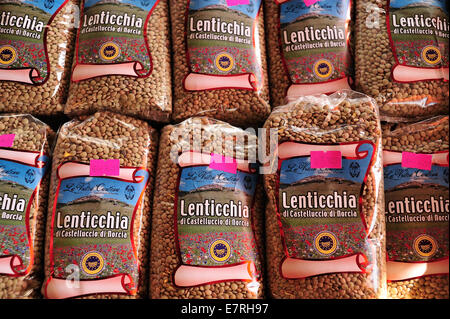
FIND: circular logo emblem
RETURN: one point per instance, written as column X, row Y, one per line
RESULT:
column 224, row 62
column 109, row 51
column 431, row 54
column 323, row 69
column 92, row 263
column 355, row 170
column 7, row 55
column 129, row 192
column 30, row 176
column 425, row 245
column 325, row 243
column 220, row 250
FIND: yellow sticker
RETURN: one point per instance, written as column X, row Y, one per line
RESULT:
column 323, row 69
column 7, row 55
column 109, row 51
column 92, row 263
column 224, row 62
column 220, row 250
column 325, row 243
column 431, row 54
column 425, row 245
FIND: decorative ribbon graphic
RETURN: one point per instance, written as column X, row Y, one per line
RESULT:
column 200, row 82
column 292, row 268
column 56, row 288
column 403, row 270
column 189, row 276
column 416, row 160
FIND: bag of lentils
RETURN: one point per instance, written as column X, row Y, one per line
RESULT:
column 99, row 208
column 207, row 214
column 309, row 47
column 219, row 60
column 24, row 159
column 122, row 60
column 324, row 219
column 401, row 57
column 36, row 45
column 416, row 175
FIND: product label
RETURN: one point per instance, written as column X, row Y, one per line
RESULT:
column 21, row 173
column 23, row 47
column 320, row 209
column 93, row 231
column 314, row 42
column 221, row 45
column 417, row 216
column 112, row 39
column 419, row 35
column 214, row 230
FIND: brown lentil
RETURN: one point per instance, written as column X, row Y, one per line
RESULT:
column 344, row 116
column 106, row 135
column 34, row 136
column 164, row 260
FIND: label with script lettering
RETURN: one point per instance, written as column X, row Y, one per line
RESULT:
column 23, row 47
column 320, row 208
column 419, row 35
column 214, row 230
column 314, row 42
column 21, row 174
column 417, row 217
column 221, row 41
column 93, row 231
column 112, row 39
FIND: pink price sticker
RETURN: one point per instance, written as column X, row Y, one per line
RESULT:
column 310, row 2
column 419, row 161
column 231, row 3
column 109, row 167
column 7, row 140
column 330, row 159
column 223, row 163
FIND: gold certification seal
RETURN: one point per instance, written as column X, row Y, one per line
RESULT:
column 109, row 51
column 7, row 55
column 325, row 243
column 220, row 250
column 224, row 62
column 92, row 263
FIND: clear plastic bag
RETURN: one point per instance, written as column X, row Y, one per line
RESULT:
column 325, row 215
column 219, row 61
column 98, row 219
column 35, row 65
column 308, row 47
column 207, row 220
column 24, row 162
column 399, row 61
column 415, row 159
column 122, row 66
